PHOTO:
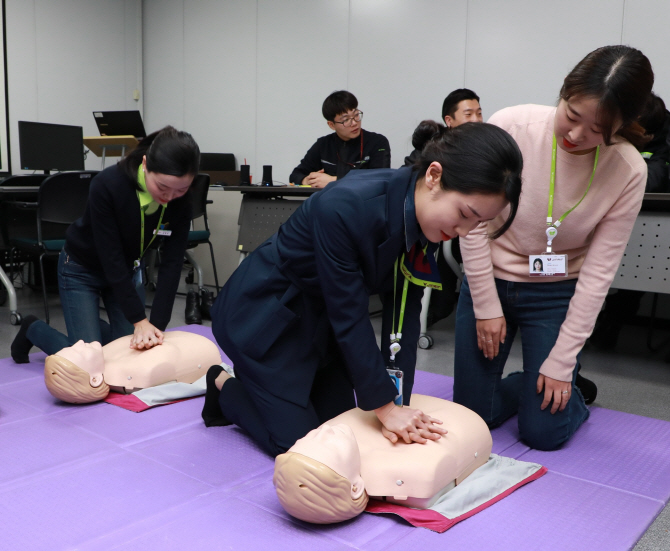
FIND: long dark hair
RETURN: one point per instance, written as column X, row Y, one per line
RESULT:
column 168, row 151
column 621, row 79
column 476, row 157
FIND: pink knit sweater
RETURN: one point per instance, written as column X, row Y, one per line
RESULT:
column 593, row 236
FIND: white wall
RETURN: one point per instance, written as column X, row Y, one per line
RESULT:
column 249, row 77
column 67, row 58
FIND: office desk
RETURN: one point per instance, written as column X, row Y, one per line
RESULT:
column 8, row 191
column 263, row 210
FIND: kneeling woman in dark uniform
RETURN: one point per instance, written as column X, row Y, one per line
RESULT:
column 132, row 206
column 294, row 319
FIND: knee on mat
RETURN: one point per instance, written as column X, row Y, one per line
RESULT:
column 544, row 436
column 484, row 411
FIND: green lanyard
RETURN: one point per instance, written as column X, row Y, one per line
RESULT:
column 140, row 180
column 552, row 227
column 142, row 249
column 143, row 185
column 395, row 337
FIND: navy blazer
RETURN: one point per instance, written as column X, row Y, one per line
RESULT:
column 274, row 316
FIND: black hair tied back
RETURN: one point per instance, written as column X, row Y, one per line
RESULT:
column 426, row 131
column 476, row 157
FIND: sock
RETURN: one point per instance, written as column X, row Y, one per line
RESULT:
column 211, row 411
column 21, row 344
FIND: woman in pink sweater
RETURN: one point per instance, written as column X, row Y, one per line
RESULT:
column 579, row 232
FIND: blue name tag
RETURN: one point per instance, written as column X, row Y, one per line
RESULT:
column 396, row 376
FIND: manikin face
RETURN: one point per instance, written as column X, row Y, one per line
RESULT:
column 576, row 127
column 336, row 447
column 341, row 122
column 468, row 110
column 163, row 188
column 88, row 357
column 443, row 215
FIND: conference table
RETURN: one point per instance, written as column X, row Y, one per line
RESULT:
column 263, row 210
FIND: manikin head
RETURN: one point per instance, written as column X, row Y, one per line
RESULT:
column 75, row 374
column 318, row 480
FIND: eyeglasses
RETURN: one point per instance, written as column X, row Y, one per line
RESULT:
column 349, row 121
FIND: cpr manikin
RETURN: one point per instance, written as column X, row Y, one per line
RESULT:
column 328, row 475
column 84, row 373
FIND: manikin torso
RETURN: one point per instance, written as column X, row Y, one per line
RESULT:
column 415, row 475
column 183, row 357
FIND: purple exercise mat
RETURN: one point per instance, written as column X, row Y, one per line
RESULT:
column 100, row 477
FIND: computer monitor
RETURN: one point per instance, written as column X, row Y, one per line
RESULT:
column 47, row 147
column 120, row 123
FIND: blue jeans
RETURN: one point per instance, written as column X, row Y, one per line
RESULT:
column 80, row 292
column 537, row 310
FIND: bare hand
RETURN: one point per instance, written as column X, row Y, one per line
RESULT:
column 318, row 179
column 490, row 335
column 412, row 425
column 559, row 391
column 145, row 336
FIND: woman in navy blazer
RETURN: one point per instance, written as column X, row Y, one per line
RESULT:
column 294, row 318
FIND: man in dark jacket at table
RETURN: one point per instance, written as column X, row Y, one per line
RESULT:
column 349, row 147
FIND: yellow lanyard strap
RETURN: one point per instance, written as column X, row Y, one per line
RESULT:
column 395, row 337
column 142, row 249
column 552, row 182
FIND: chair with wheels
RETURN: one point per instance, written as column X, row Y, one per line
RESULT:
column 61, row 200
column 217, row 161
column 199, row 202
column 425, row 340
column 221, row 168
column 198, row 302
column 22, row 223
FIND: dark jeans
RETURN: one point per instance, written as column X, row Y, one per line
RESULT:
column 275, row 423
column 537, row 310
column 80, row 293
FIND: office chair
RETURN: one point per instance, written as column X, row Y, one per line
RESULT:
column 217, row 161
column 199, row 302
column 199, row 189
column 22, row 223
column 61, row 200
column 425, row 340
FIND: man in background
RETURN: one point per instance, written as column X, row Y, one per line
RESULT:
column 349, row 147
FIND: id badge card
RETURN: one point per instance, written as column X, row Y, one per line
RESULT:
column 548, row 265
column 396, row 376
column 162, row 231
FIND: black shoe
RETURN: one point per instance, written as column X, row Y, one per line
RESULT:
column 206, row 303
column 606, row 334
column 211, row 411
column 192, row 314
column 588, row 389
column 21, row 344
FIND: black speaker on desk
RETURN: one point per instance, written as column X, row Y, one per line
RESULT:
column 267, row 175
column 244, row 175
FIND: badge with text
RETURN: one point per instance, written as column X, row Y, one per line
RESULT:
column 548, row 265
column 162, row 231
